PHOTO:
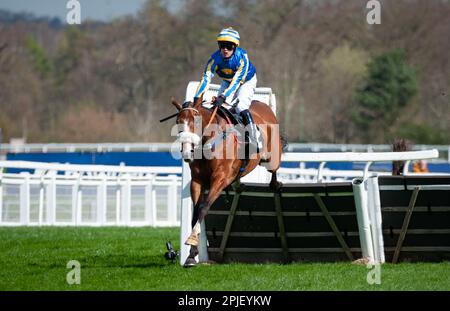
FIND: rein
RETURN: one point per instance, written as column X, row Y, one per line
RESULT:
column 198, row 112
column 212, row 117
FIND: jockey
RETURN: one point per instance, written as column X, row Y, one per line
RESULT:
column 231, row 63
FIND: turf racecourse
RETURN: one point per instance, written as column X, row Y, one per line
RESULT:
column 133, row 259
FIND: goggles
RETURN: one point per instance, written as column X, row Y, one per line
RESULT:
column 227, row 45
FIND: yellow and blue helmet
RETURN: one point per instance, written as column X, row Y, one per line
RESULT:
column 229, row 35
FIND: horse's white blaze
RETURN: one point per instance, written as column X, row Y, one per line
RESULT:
column 189, row 141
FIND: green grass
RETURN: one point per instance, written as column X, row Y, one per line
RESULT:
column 133, row 259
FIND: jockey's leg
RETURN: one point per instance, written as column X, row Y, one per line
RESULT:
column 244, row 96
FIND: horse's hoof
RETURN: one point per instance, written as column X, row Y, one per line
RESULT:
column 192, row 240
column 264, row 157
column 190, row 262
column 276, row 186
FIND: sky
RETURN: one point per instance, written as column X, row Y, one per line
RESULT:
column 103, row 10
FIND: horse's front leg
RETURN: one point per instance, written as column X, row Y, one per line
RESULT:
column 274, row 183
column 192, row 240
column 216, row 188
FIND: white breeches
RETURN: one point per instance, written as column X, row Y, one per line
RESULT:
column 243, row 95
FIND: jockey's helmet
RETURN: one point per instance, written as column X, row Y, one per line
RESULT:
column 229, row 35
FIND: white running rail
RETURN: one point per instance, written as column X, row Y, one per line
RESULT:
column 103, row 195
column 88, row 195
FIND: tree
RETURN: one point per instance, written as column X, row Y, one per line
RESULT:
column 40, row 59
column 390, row 85
column 342, row 70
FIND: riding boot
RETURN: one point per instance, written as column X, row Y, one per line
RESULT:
column 253, row 132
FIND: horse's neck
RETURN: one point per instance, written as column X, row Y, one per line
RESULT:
column 206, row 117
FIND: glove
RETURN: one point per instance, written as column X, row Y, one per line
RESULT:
column 219, row 101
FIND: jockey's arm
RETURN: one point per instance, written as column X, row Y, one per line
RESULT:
column 206, row 79
column 238, row 76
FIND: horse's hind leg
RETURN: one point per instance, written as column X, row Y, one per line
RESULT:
column 274, row 183
column 274, row 149
column 218, row 184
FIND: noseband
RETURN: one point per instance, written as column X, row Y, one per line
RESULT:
column 189, row 108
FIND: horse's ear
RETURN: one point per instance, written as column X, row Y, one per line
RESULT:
column 198, row 102
column 176, row 103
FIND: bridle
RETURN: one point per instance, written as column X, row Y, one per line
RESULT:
column 189, row 108
column 198, row 113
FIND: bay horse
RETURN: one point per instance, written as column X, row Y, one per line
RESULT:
column 400, row 145
column 211, row 175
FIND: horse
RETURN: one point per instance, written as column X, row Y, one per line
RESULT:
column 399, row 145
column 211, row 175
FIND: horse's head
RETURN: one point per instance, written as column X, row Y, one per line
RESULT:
column 189, row 134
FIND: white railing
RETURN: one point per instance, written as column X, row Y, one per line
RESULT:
column 444, row 150
column 301, row 174
column 89, row 195
column 102, row 195
column 99, row 147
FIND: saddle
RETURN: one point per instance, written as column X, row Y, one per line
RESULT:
column 226, row 111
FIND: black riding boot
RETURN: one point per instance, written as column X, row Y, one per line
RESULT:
column 252, row 130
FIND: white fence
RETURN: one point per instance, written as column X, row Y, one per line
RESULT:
column 444, row 150
column 323, row 174
column 89, row 195
column 103, row 195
